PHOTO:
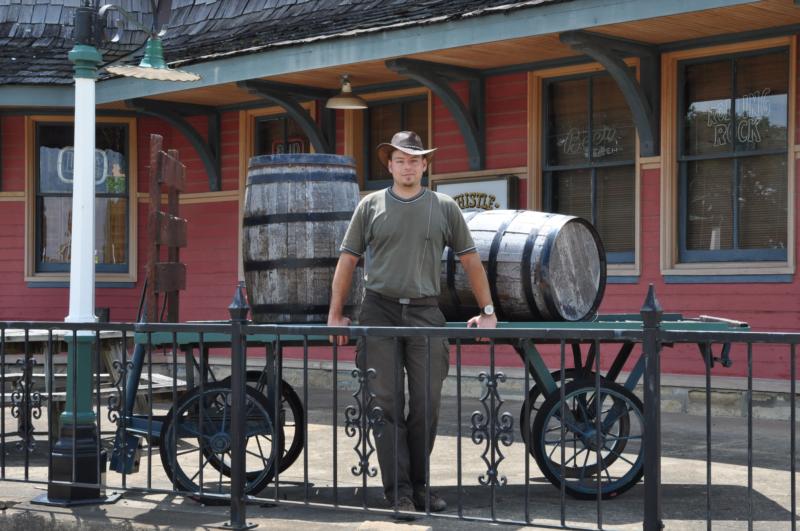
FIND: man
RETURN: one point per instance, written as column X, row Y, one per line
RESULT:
column 401, row 232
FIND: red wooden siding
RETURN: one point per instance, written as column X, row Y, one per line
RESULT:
column 507, row 121
column 12, row 153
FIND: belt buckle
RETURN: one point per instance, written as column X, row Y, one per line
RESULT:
column 404, row 301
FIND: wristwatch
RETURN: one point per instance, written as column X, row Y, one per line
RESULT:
column 487, row 310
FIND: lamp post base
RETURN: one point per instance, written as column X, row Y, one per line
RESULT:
column 82, row 457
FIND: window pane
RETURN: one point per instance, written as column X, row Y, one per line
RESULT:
column 612, row 125
column 269, row 136
column 762, row 85
column 57, row 158
column 55, row 229
column 416, row 118
column 111, row 216
column 573, row 193
column 568, row 122
column 384, row 121
column 762, row 202
column 296, row 140
column 709, row 223
column 707, row 116
column 616, row 202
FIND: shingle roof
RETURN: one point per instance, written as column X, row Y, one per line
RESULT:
column 35, row 36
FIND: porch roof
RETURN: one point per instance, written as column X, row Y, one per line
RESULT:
column 235, row 41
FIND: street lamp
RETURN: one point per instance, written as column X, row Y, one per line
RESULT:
column 75, row 456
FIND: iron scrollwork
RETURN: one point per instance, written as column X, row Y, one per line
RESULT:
column 358, row 424
column 26, row 404
column 115, row 400
column 492, row 428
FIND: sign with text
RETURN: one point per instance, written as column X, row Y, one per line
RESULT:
column 490, row 193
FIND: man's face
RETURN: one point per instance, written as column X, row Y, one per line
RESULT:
column 407, row 169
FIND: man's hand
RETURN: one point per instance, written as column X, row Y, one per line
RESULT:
column 341, row 321
column 482, row 321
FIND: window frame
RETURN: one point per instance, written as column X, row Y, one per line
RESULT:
column 674, row 258
column 369, row 143
column 723, row 255
column 548, row 170
column 537, row 155
column 123, row 274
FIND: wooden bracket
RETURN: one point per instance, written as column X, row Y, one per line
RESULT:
column 287, row 96
column 642, row 97
column 174, row 114
column 437, row 77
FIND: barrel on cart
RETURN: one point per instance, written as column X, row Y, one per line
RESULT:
column 297, row 208
column 541, row 267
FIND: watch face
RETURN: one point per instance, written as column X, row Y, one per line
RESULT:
column 488, row 309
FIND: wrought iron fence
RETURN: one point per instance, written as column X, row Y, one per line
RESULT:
column 252, row 437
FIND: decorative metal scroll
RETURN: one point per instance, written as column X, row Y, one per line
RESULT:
column 492, row 428
column 115, row 400
column 360, row 424
column 26, row 404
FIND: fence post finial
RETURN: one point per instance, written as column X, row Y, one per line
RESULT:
column 651, row 311
column 239, row 308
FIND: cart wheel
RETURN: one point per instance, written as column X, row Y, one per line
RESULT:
column 620, row 440
column 188, row 452
column 291, row 413
column 528, row 417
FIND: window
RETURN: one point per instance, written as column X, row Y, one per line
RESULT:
column 589, row 149
column 383, row 120
column 279, row 134
column 732, row 157
column 52, row 213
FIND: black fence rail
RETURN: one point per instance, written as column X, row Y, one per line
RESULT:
column 558, row 448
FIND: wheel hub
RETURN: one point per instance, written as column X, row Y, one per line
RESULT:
column 220, row 443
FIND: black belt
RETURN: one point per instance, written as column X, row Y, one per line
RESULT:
column 407, row 301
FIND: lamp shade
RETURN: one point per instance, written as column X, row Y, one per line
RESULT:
column 153, row 66
column 346, row 99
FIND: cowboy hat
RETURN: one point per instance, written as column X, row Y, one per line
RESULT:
column 407, row 142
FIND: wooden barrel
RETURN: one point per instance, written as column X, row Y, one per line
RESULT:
column 541, row 267
column 296, row 211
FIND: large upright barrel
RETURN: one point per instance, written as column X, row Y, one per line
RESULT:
column 541, row 267
column 296, row 211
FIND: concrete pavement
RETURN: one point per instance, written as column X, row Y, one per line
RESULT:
column 683, row 471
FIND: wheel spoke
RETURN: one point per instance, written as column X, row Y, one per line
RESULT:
column 619, row 456
column 202, row 466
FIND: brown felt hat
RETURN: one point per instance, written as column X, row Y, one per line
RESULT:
column 407, row 142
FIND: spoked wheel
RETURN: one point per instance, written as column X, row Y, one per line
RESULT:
column 528, row 418
column 291, row 415
column 196, row 435
column 618, row 442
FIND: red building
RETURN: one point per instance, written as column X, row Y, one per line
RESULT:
column 670, row 125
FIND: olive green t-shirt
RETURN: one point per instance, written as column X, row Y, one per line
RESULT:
column 402, row 241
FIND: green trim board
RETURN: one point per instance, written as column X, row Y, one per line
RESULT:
column 605, row 322
column 36, row 96
column 382, row 45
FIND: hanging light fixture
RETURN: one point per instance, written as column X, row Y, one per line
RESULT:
column 152, row 66
column 346, row 99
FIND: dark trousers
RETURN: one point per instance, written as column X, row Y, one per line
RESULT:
column 400, row 442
